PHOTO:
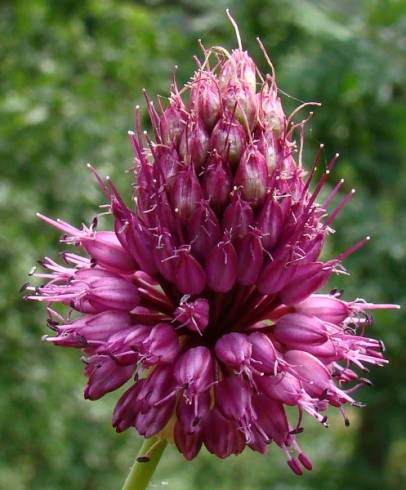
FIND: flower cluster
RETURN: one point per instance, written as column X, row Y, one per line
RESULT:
column 203, row 298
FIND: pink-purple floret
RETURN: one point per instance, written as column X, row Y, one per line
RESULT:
column 203, row 299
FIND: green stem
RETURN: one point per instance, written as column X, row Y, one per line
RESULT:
column 142, row 471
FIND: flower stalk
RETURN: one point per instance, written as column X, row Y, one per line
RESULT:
column 145, row 464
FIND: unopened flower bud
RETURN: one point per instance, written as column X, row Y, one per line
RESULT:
column 221, row 436
column 324, row 306
column 250, row 251
column 238, row 217
column 189, row 274
column 221, row 267
column 252, row 176
column 167, row 161
column 205, row 98
column 172, row 123
column 217, row 181
column 186, row 193
column 234, row 350
column 270, row 222
column 239, row 67
column 241, row 101
column 270, row 109
column 296, row 329
column 194, row 143
column 204, row 230
column 194, row 371
column 229, row 139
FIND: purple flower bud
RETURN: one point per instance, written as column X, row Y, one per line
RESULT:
column 107, row 251
column 238, row 217
column 305, row 280
column 163, row 254
column 194, row 315
column 221, row 436
column 194, row 143
column 326, row 352
column 233, row 399
column 250, row 251
column 194, row 371
column 204, row 230
column 189, row 274
column 228, row 139
column 167, row 162
column 205, row 98
column 126, row 408
column 122, row 345
column 221, row 267
column 270, row 222
column 252, row 176
column 186, row 193
column 104, row 375
column 157, row 389
column 136, row 239
column 296, row 330
column 153, row 420
column 273, row 419
column 188, row 444
column 286, row 388
column 315, row 377
column 234, row 350
column 96, row 327
column 160, row 347
column 172, row 122
column 270, row 109
column 113, row 293
column 327, row 308
column 217, row 182
column 239, row 67
column 268, row 146
column 241, row 100
column 192, row 415
column 264, row 353
column 275, row 276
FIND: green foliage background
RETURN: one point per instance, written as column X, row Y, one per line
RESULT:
column 71, row 73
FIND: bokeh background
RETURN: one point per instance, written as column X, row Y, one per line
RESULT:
column 71, row 73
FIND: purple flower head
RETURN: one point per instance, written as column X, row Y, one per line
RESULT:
column 203, row 299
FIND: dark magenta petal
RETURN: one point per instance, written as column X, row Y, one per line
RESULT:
column 296, row 329
column 306, row 280
column 221, row 436
column 194, row 143
column 250, row 252
column 252, row 176
column 233, row 350
column 217, row 182
column 270, row 222
column 188, row 444
column 194, row 370
column 104, row 375
column 203, row 231
column 221, row 267
column 189, row 274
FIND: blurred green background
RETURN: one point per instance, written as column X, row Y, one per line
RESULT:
column 71, row 73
